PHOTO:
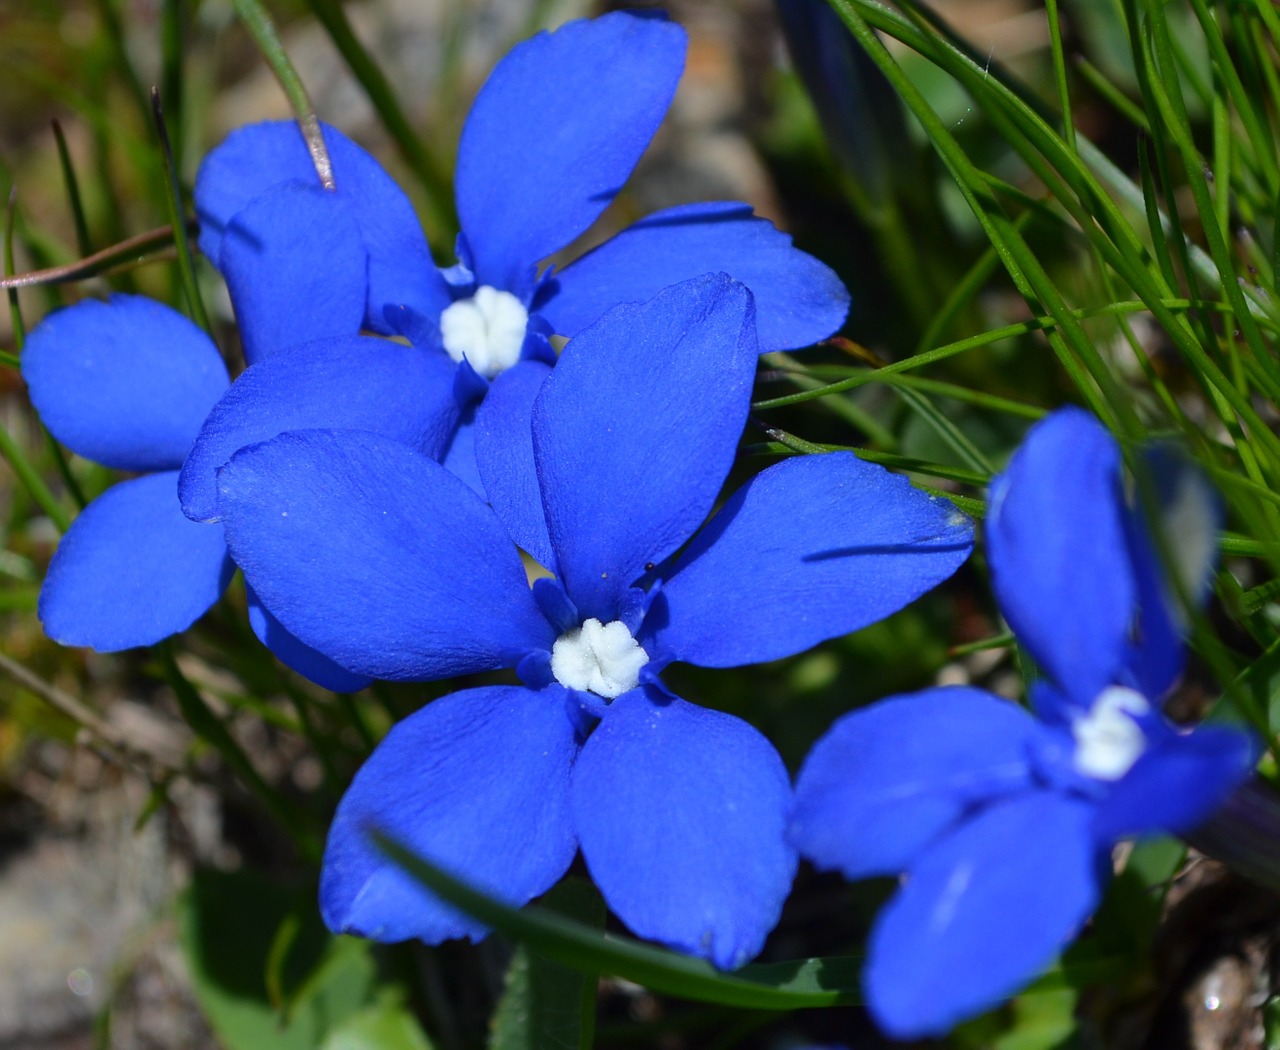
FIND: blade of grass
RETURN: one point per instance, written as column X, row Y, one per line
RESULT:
column 781, row 986
column 177, row 219
column 135, row 249
column 426, row 166
column 254, row 17
column 83, row 243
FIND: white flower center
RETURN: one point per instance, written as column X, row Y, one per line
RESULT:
column 601, row 658
column 487, row 329
column 1108, row 740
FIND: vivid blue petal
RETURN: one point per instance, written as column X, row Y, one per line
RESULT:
column 298, row 655
column 377, row 556
column 132, row 570
column 554, row 133
column 1177, row 783
column 798, row 300
column 504, row 455
column 680, row 812
column 295, row 266
column 476, row 782
column 887, row 780
column 357, row 382
column 635, row 431
column 1058, row 553
column 1188, row 514
column 982, row 913
column 812, row 548
column 257, row 157
column 459, row 458
column 125, row 383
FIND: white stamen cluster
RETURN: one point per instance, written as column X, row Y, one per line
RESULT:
column 1108, row 740
column 487, row 329
column 600, row 658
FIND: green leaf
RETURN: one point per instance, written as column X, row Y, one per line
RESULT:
column 386, row 1025
column 228, row 923
column 778, row 986
column 546, row 1005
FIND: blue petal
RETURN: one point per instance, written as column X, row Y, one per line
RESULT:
column 257, row 157
column 459, row 458
column 1058, row 552
column 504, row 454
column 1188, row 514
column 298, row 655
column 887, row 780
column 812, row 548
column 554, row 133
column 1177, row 783
column 358, row 382
column 982, row 913
column 798, row 300
column 377, row 556
column 296, row 269
column 132, row 570
column 476, row 782
column 635, row 431
column 680, row 812
column 126, row 383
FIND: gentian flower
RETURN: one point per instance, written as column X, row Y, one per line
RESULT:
column 391, row 565
column 1002, row 820
column 549, row 142
column 129, row 383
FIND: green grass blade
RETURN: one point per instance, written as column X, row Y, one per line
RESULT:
column 83, row 243
column 258, row 23
column 780, row 986
column 177, row 218
column 430, row 171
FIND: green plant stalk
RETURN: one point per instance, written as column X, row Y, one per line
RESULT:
column 177, row 219
column 953, row 54
column 83, row 243
column 951, row 435
column 1069, row 341
column 1151, row 208
column 258, row 23
column 15, row 309
column 33, row 482
column 1256, row 129
column 1114, row 97
column 172, row 74
column 135, row 249
column 430, row 171
column 1060, row 73
column 1045, row 141
column 968, row 287
column 1173, row 113
column 961, row 346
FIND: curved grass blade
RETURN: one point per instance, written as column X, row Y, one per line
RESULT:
column 134, row 249
column 795, row 985
column 263, row 30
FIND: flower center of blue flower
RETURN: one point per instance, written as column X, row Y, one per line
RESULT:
column 1108, row 739
column 487, row 329
column 601, row 658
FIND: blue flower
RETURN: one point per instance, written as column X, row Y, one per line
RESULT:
column 548, row 144
column 129, row 383
column 1001, row 820
column 388, row 563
